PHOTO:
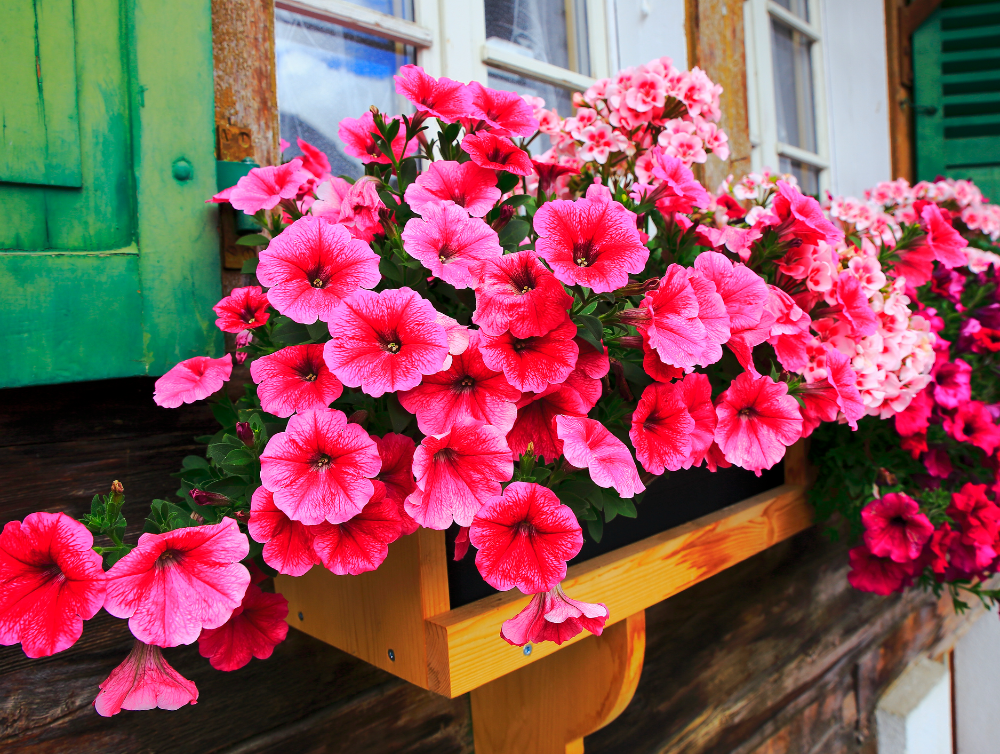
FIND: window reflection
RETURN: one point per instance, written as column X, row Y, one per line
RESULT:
column 806, row 175
column 793, row 86
column 799, row 7
column 552, row 31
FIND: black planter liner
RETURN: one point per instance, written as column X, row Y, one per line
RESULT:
column 672, row 500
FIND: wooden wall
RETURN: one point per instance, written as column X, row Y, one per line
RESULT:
column 776, row 655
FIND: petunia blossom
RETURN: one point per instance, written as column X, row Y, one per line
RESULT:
column 588, row 444
column 972, row 422
column 697, row 392
column 320, row 468
column 516, row 292
column 553, row 616
column 256, row 627
column 385, row 342
column 314, row 159
column 51, row 581
column 313, row 266
column 661, row 428
column 895, row 528
column 456, row 472
column 668, row 317
column 678, row 189
column 295, row 378
column 757, row 421
column 854, row 304
column 801, row 217
column 506, row 113
column 532, row 364
column 243, row 309
column 287, row 543
column 357, row 135
column 535, row 425
column 942, row 239
column 953, row 384
column 497, row 153
column 172, row 585
column 449, row 243
column 524, row 538
column 362, row 543
column 439, row 98
column 360, row 210
column 978, row 516
column 396, row 474
column 144, row 681
column 192, row 380
column 870, row 573
column 465, row 183
column 264, row 188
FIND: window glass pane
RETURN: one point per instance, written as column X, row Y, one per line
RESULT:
column 552, row 31
column 799, row 7
column 397, row 8
column 556, row 98
column 326, row 73
column 806, row 175
column 793, row 86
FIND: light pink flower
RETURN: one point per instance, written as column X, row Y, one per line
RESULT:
column 439, row 98
column 192, row 380
column 757, row 421
column 359, row 210
column 144, row 681
column 264, row 188
column 588, row 444
column 552, row 616
column 449, row 243
column 465, row 183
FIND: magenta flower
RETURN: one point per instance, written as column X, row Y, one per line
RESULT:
column 51, row 581
column 172, row 585
column 456, row 472
column 449, row 243
column 256, row 627
column 588, row 444
column 668, row 316
column 506, row 113
column 976, row 514
column 361, row 544
column 678, row 190
column 314, row 159
column 697, row 392
column 439, row 98
column 712, row 314
column 497, row 153
column 590, row 242
column 192, row 380
column 942, row 239
column 895, row 528
column 396, row 453
column 516, row 292
column 854, row 304
column 802, row 217
column 870, row 573
column 385, row 342
column 295, row 378
column 524, row 538
column 758, row 419
column 359, row 210
column 973, row 423
column 320, row 468
column 264, row 188
column 552, row 616
column 915, row 418
column 744, row 294
column 243, row 309
column 313, row 266
column 938, row 463
column 661, row 428
column 144, row 681
column 953, row 384
column 464, row 183
column 357, row 136
column 287, row 543
column 532, row 364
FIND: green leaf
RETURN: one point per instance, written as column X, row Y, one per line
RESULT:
column 398, row 415
column 224, row 413
column 635, row 373
column 238, row 457
column 407, row 172
column 596, row 529
column 584, row 332
column 594, row 326
column 518, row 200
column 290, row 334
column 514, row 232
column 194, row 462
column 255, row 239
column 390, row 271
column 507, row 181
column 589, row 308
column 250, row 266
column 318, row 330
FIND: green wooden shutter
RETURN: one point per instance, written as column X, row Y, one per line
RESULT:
column 109, row 258
column 956, row 62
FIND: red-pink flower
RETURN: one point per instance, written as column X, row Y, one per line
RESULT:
column 464, row 183
column 532, row 364
column 515, row 292
column 942, row 239
column 548, row 172
column 536, row 419
column 825, row 399
column 320, row 468
column 264, row 188
column 854, row 304
column 678, row 190
column 802, row 217
column 737, row 240
column 357, row 136
column 506, row 113
column 359, row 210
column 590, row 242
column 661, row 428
column 256, row 627
column 385, row 342
column 144, row 681
column 314, row 159
column 51, row 581
column 758, row 419
column 790, row 330
column 468, row 392
column 697, row 393
column 192, row 380
column 396, row 453
column 525, row 537
column 745, row 295
column 440, row 98
column 938, row 463
column 172, row 585
column 976, row 514
column 243, row 309
column 669, row 319
column 456, row 472
column 712, row 314
column 588, row 444
column 313, row 266
column 497, row 153
column 449, row 243
column 895, row 528
column 293, row 379
column 870, row 573
column 287, row 543
column 953, row 384
column 552, row 616
column 915, row 418
column 361, row 544
column 973, row 423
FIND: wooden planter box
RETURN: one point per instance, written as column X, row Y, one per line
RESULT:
column 543, row 698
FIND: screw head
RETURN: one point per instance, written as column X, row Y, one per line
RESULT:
column 301, row 616
column 392, row 656
column 183, row 170
column 527, row 650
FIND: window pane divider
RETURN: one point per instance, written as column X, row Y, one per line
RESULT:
column 362, row 19
column 790, row 19
column 501, row 57
column 802, row 155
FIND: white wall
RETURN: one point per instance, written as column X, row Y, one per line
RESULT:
column 650, row 29
column 977, row 687
column 857, row 94
column 914, row 714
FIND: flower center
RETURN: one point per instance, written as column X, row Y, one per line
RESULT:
column 467, row 382
column 318, row 283
column 583, row 253
column 898, row 521
column 310, row 377
column 498, row 156
column 322, row 462
column 746, row 413
column 521, row 345
column 525, row 528
column 445, row 253
column 392, row 347
column 167, row 558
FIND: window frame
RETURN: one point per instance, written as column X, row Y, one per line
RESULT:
column 767, row 150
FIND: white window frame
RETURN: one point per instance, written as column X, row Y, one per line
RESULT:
column 762, row 104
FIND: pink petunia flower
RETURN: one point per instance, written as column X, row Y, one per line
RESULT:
column 449, row 243
column 976, row 514
column 465, row 183
column 895, row 528
column 361, row 544
column 295, row 378
column 287, row 543
column 396, row 453
column 256, row 627
column 468, row 392
column 854, row 304
column 758, row 419
column 264, row 188
column 588, row 444
column 697, row 392
column 712, row 314
column 439, row 98
column 942, row 239
column 536, row 419
column 953, row 384
column 243, row 309
column 552, row 616
column 973, row 423
column 357, row 136
column 497, row 153
column 590, row 242
column 938, row 463
column 515, row 292
column 320, row 468
column 668, row 317
column 678, row 190
column 360, row 208
column 51, row 581
column 385, row 342
column 313, row 266
column 524, row 538
column 802, row 217
column 456, row 472
column 738, row 240
column 192, row 380
column 532, row 364
column 506, row 113
column 661, row 428
column 915, row 418
column 314, row 159
column 144, row 681
column 870, row 573
column 172, row 585
column 330, row 195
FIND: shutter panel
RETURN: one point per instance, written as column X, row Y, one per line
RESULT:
column 956, row 61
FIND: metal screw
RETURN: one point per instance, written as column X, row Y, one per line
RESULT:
column 527, row 650
column 183, row 170
column 392, row 656
column 301, row 616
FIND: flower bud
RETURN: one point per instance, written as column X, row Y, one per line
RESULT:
column 117, row 488
column 506, row 213
column 201, row 497
column 623, row 389
column 245, row 432
column 198, row 519
column 630, row 341
column 242, row 516
column 358, row 417
column 886, row 478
